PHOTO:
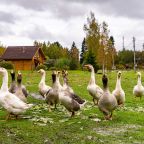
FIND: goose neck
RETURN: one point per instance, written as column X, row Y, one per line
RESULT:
column 118, row 83
column 43, row 78
column 92, row 79
column 4, row 86
column 139, row 80
column 58, row 83
column 65, row 81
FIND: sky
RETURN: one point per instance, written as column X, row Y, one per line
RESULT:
column 23, row 21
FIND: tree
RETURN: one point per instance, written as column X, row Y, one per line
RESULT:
column 92, row 30
column 112, row 52
column 104, row 49
column 91, row 59
column 2, row 49
column 83, row 51
column 74, row 54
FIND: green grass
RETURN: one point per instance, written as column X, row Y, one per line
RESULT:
column 38, row 126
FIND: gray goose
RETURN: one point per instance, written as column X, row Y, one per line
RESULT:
column 69, row 89
column 21, row 91
column 13, row 85
column 68, row 99
column 107, row 102
column 51, row 96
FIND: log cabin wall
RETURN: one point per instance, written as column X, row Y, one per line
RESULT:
column 23, row 64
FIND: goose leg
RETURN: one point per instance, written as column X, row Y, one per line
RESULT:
column 8, row 116
column 94, row 101
column 49, row 107
column 73, row 113
column 55, row 106
column 110, row 117
column 16, row 116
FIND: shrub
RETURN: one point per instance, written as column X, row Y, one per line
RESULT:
column 74, row 64
column 6, row 64
column 120, row 66
column 50, row 63
column 41, row 66
column 62, row 63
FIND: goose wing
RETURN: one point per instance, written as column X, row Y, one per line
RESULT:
column 24, row 90
column 14, row 102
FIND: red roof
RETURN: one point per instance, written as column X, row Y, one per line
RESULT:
column 20, row 52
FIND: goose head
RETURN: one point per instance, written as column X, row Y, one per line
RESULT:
column 3, row 70
column 19, row 77
column 105, row 81
column 54, row 76
column 138, row 74
column 89, row 66
column 12, row 75
column 64, row 73
column 41, row 71
column 119, row 74
column 58, row 74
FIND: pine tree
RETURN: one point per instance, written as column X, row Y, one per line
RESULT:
column 91, row 59
column 74, row 54
column 83, row 51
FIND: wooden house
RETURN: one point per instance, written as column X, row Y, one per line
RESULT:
column 24, row 57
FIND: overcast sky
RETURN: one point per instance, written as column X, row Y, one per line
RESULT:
column 23, row 21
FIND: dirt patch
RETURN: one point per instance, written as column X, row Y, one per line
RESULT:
column 106, row 131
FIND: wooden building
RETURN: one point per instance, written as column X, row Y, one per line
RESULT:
column 24, row 57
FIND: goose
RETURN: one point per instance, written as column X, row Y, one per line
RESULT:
column 66, row 84
column 138, row 89
column 9, row 101
column 69, row 89
column 13, row 86
column 119, row 92
column 51, row 96
column 67, row 99
column 94, row 90
column 107, row 102
column 23, row 87
column 43, row 88
column 21, row 91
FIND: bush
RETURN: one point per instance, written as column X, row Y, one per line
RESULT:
column 41, row 66
column 74, row 64
column 62, row 64
column 6, row 64
column 120, row 66
column 50, row 63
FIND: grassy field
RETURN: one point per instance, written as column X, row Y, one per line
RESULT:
column 38, row 126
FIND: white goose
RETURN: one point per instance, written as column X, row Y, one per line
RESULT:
column 119, row 92
column 138, row 90
column 9, row 101
column 107, row 102
column 43, row 88
column 94, row 90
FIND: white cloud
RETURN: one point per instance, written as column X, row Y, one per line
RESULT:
column 24, row 21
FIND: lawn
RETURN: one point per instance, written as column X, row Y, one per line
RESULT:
column 38, row 126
